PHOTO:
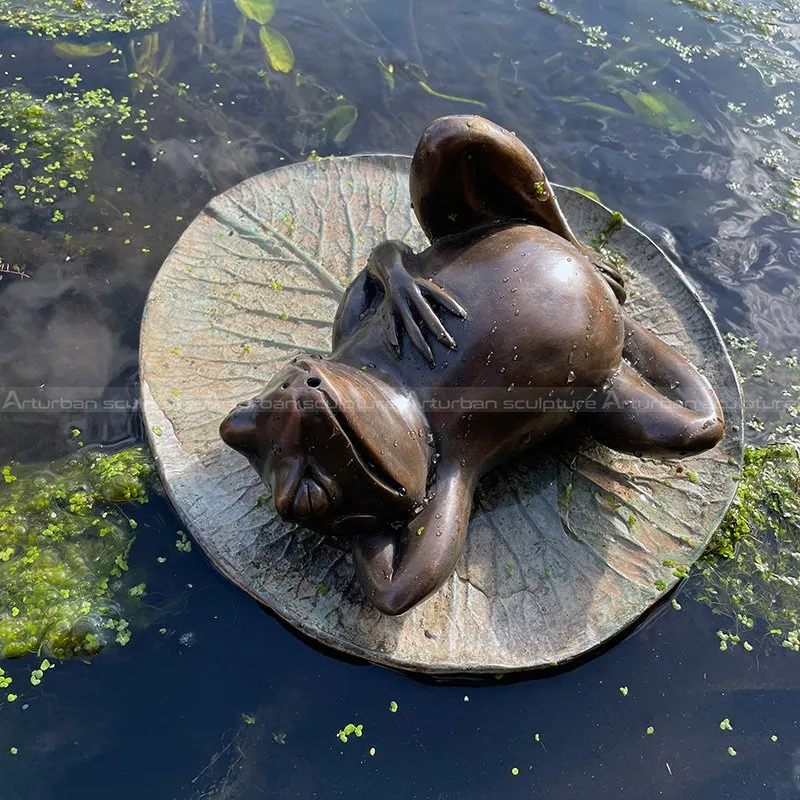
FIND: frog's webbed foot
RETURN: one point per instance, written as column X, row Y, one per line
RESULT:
column 408, row 297
column 397, row 570
column 613, row 278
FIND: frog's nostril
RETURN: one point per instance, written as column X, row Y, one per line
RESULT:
column 313, row 382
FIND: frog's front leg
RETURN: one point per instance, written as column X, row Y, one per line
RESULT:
column 393, row 266
column 397, row 570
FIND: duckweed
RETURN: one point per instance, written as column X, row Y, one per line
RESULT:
column 751, row 571
column 54, row 18
column 349, row 730
column 65, row 549
column 50, row 140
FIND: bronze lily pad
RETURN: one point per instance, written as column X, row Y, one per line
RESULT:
column 565, row 549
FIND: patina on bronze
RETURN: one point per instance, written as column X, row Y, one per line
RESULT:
column 448, row 362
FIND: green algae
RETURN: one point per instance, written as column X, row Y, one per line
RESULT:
column 760, row 18
column 594, row 35
column 752, row 567
column 64, row 544
column 47, row 143
column 751, row 570
column 53, row 18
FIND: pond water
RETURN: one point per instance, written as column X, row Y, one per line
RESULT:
column 678, row 113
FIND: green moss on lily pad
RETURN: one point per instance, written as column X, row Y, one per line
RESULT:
column 64, row 545
column 85, row 17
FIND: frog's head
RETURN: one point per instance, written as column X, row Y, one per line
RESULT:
column 342, row 449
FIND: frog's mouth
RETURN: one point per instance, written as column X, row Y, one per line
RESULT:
column 312, row 496
column 375, row 471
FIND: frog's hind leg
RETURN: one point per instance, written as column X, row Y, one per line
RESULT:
column 469, row 172
column 397, row 570
column 658, row 405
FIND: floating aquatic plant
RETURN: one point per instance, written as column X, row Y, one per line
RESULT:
column 595, row 35
column 46, row 143
column 752, row 567
column 758, row 17
column 751, row 571
column 85, row 17
column 64, row 544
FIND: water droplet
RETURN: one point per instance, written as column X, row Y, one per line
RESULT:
column 571, row 376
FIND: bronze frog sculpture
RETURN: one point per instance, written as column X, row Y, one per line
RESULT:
column 447, row 362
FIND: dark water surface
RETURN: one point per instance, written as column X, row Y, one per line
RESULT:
column 685, row 124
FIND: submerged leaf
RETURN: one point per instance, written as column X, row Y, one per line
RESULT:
column 339, row 122
column 277, row 49
column 260, row 11
column 451, row 97
column 662, row 110
column 70, row 50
